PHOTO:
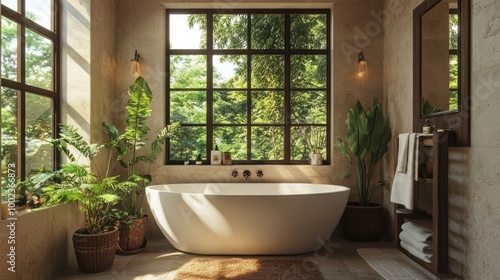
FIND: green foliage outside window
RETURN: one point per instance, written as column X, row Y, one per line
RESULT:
column 36, row 114
column 254, row 90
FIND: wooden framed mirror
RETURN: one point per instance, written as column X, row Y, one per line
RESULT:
column 441, row 67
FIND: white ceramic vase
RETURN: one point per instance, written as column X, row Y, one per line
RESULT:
column 315, row 159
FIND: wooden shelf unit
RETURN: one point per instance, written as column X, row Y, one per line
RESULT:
column 431, row 200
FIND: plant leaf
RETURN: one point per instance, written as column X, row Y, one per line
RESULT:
column 380, row 133
column 138, row 107
column 357, row 134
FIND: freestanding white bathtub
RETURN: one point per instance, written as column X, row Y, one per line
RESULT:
column 247, row 218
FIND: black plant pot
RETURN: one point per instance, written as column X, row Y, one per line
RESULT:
column 362, row 223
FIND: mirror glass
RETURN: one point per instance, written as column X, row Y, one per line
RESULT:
column 440, row 59
column 441, row 68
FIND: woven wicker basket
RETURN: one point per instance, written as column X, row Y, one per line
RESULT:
column 132, row 238
column 362, row 223
column 95, row 252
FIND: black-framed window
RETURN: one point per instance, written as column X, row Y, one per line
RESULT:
column 253, row 82
column 453, row 58
column 30, row 89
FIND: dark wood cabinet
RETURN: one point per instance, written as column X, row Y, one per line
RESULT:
column 430, row 199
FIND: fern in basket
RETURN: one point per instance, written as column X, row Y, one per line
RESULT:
column 94, row 192
column 127, row 146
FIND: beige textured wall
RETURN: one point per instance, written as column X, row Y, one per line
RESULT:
column 102, row 70
column 141, row 26
column 75, row 55
column 43, row 244
column 473, row 173
column 43, row 238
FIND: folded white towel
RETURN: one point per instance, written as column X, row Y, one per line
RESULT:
column 421, row 255
column 402, row 186
column 425, row 247
column 417, row 232
column 402, row 153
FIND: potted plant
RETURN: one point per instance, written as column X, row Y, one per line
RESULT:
column 366, row 139
column 126, row 147
column 95, row 193
column 316, row 145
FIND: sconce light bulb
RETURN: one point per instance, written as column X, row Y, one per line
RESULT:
column 136, row 72
column 136, row 67
column 362, row 69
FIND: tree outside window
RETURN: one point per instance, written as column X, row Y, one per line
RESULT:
column 29, row 99
column 253, row 82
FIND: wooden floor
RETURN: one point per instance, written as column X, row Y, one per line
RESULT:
column 338, row 259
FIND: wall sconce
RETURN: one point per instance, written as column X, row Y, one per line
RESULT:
column 362, row 68
column 136, row 67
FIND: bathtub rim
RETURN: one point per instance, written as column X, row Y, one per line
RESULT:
column 337, row 189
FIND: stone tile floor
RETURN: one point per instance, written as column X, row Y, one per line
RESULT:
column 338, row 259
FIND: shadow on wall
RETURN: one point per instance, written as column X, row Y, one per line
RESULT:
column 459, row 194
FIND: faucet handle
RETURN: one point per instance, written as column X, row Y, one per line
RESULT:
column 260, row 174
column 234, row 173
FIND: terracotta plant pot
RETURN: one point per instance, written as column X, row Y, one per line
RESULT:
column 95, row 252
column 132, row 238
column 362, row 223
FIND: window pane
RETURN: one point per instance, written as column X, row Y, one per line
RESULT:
column 188, row 107
column 307, row 139
column 188, row 31
column 230, row 31
column 453, row 71
column 308, row 107
column 230, row 71
column 453, row 31
column 308, row 31
column 9, row 134
column 232, row 139
column 188, row 142
column 268, row 143
column 38, row 132
column 268, row 32
column 453, row 82
column 40, row 11
column 268, row 71
column 268, row 107
column 188, row 71
column 230, row 107
column 308, row 71
column 9, row 49
column 10, row 3
column 38, row 60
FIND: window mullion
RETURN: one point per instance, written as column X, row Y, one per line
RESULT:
column 210, row 87
column 249, row 88
column 288, row 105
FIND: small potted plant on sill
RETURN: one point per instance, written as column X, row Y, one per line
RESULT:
column 366, row 139
column 95, row 193
column 316, row 145
column 126, row 147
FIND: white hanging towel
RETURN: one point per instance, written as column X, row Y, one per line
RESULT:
column 402, row 186
column 403, row 153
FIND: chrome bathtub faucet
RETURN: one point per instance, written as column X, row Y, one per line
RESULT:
column 260, row 174
column 246, row 174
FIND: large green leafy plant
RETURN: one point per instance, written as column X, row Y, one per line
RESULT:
column 126, row 147
column 366, row 139
column 94, row 192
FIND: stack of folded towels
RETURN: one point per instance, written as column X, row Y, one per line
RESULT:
column 417, row 241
